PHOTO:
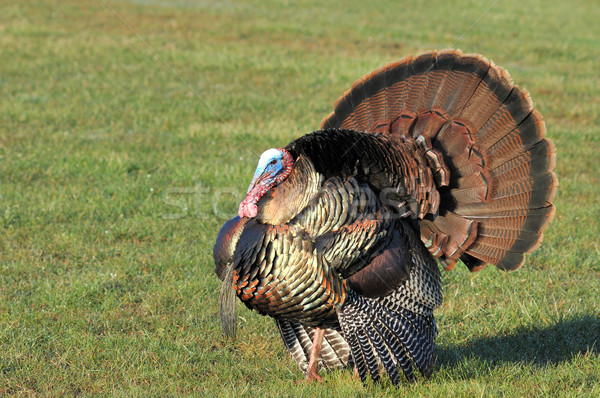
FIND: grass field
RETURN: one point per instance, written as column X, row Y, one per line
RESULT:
column 129, row 131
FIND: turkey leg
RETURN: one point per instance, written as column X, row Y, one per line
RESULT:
column 315, row 353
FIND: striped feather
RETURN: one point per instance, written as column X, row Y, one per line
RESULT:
column 297, row 338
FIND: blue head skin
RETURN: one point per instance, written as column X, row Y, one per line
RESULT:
column 269, row 164
column 273, row 167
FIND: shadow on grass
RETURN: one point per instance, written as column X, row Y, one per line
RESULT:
column 541, row 346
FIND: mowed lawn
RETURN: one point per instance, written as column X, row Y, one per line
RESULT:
column 129, row 131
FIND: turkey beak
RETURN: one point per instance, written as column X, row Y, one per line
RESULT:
column 257, row 180
column 248, row 208
column 252, row 184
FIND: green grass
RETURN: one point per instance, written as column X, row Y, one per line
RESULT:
column 117, row 170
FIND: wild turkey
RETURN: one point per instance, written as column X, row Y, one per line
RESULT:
column 437, row 156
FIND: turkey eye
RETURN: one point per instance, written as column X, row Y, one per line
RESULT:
column 273, row 162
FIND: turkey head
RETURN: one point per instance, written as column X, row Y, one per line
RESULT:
column 281, row 187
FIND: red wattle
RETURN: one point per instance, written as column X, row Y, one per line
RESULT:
column 248, row 208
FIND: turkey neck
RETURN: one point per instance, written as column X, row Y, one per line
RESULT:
column 284, row 201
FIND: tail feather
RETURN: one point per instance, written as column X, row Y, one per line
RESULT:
column 528, row 133
column 376, row 99
column 492, row 91
column 418, row 83
column 511, row 220
column 507, row 117
column 396, row 74
column 458, row 88
column 483, row 133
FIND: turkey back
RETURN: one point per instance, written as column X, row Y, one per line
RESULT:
column 483, row 141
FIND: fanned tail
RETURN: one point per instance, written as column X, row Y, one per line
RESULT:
column 486, row 148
